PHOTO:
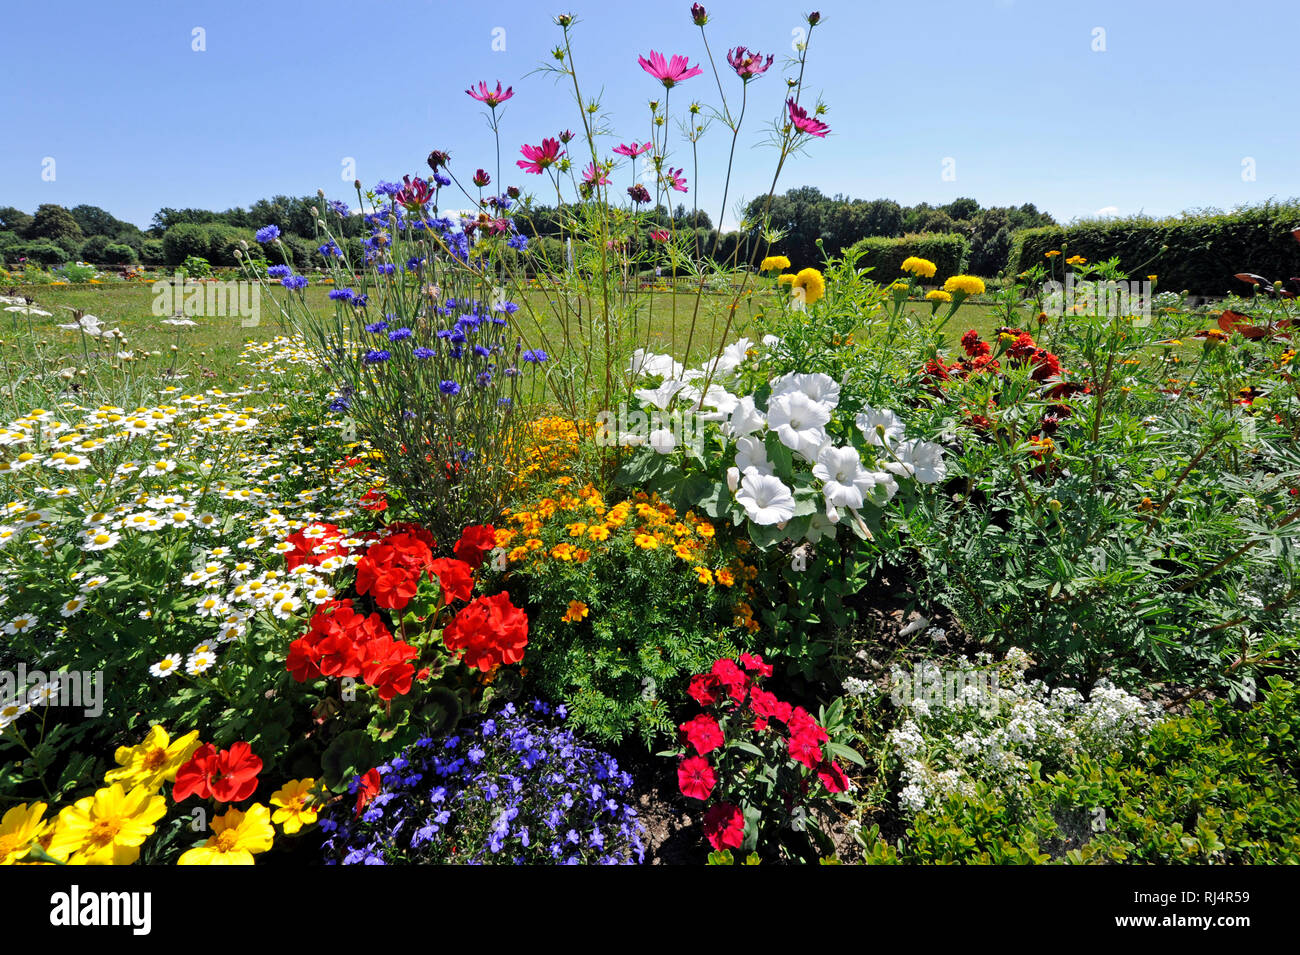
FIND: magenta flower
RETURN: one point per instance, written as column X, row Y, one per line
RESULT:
column 632, row 151
column 746, row 64
column 414, row 193
column 805, row 123
column 675, row 179
column 699, row 15
column 592, row 174
column 537, row 158
column 638, row 193
column 493, row 98
column 670, row 73
column 660, row 235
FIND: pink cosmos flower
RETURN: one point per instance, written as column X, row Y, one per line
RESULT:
column 805, row 123
column 537, row 158
column 675, row 179
column 631, row 151
column 748, row 65
column 659, row 235
column 592, row 174
column 670, row 73
column 493, row 98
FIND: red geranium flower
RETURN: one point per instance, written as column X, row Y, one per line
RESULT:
column 374, row 500
column 490, row 631
column 724, row 826
column 455, row 577
column 368, row 789
column 475, row 543
column 226, row 776
column 703, row 733
column 695, row 777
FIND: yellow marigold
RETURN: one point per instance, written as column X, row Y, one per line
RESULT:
column 154, row 762
column 938, row 295
column 504, row 537
column 581, row 555
column 576, row 529
column 107, row 828
column 20, row 827
column 774, row 263
column 517, row 554
column 533, row 544
column 704, row 574
column 562, row 551
column 967, row 284
column 684, row 551
column 681, row 530
column 295, row 805
column 238, row 836
column 922, row 267
column 646, row 541
column 787, row 279
column 706, row 530
column 811, row 283
column 1053, row 254
column 725, row 577
column 598, row 532
column 1076, row 260
column 577, row 611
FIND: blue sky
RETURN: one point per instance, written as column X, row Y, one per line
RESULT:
column 1012, row 91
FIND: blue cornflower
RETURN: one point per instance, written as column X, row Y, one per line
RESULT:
column 343, row 295
column 518, row 241
column 294, row 282
column 329, row 249
column 268, row 233
column 423, row 353
column 449, row 388
column 377, row 356
column 388, row 188
column 278, row 272
column 482, row 351
column 537, row 356
column 339, row 208
column 385, row 268
column 374, row 328
column 399, row 334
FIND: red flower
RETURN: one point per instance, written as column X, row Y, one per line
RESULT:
column 385, row 666
column 733, row 678
column 703, row 733
column 475, row 543
column 390, row 571
column 724, row 826
column 833, row 778
column 703, row 689
column 490, row 631
column 226, row 776
column 803, row 748
column 754, row 664
column 695, row 777
column 455, row 578
column 368, row 789
column 313, row 545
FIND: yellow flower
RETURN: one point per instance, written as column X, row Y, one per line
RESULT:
column 295, row 804
column 966, row 284
column 155, row 761
column 562, row 551
column 812, row 284
column 938, row 295
column 1076, row 260
column 922, row 267
column 238, row 836
column 107, row 828
column 577, row 611
column 725, row 577
column 704, row 574
column 646, row 541
column 20, row 827
column 787, row 279
column 705, row 530
column 774, row 263
column 598, row 532
column 1053, row 254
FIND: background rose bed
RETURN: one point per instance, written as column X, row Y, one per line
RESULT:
column 495, row 563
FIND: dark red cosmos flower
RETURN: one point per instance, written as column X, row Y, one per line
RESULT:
column 491, row 631
column 414, row 194
column 638, row 193
column 703, row 733
column 228, row 775
column 833, row 778
column 455, row 577
column 703, row 689
column 695, row 777
column 481, row 178
column 724, row 826
column 368, row 789
column 475, row 543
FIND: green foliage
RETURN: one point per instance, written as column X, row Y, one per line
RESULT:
column 1196, row 252
column 1218, row 785
column 55, row 223
column 93, row 249
column 885, row 256
column 43, row 252
column 119, row 253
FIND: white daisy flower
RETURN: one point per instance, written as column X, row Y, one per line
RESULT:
column 166, row 666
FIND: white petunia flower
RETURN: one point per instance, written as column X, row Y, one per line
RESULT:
column 765, row 498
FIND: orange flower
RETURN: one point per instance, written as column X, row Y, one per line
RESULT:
column 725, row 577
column 704, row 574
column 577, row 611
column 646, row 541
column 581, row 554
column 562, row 552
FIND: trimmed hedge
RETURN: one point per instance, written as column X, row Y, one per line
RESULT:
column 1199, row 253
column 947, row 250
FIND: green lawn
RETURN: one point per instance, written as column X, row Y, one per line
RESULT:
column 209, row 352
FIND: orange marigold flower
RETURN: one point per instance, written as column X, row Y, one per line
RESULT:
column 704, row 574
column 646, row 541
column 577, row 611
column 562, row 552
column 581, row 554
column 725, row 577
column 704, row 530
column 598, row 532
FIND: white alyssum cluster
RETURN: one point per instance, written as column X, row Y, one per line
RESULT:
column 979, row 722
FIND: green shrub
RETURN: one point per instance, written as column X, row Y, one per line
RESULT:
column 41, row 251
column 93, row 249
column 152, row 252
column 119, row 253
column 885, row 256
column 1218, row 785
column 1199, row 253
column 184, row 240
